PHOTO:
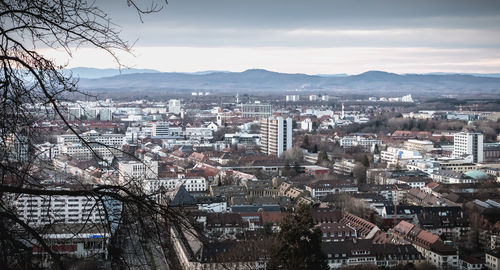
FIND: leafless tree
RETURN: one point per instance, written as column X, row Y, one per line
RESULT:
column 34, row 88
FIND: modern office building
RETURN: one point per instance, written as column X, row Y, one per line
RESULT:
column 469, row 144
column 161, row 129
column 105, row 146
column 276, row 135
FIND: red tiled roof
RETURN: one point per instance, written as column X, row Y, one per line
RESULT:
column 426, row 237
column 363, row 226
column 403, row 228
column 273, row 217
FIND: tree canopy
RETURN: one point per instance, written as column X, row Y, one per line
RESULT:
column 299, row 243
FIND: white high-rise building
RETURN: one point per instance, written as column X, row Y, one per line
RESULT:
column 292, row 98
column 276, row 135
column 469, row 143
column 174, row 106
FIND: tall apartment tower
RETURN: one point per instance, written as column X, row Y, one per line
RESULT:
column 276, row 135
column 469, row 143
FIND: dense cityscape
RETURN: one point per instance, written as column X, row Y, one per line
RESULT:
column 265, row 134
column 383, row 184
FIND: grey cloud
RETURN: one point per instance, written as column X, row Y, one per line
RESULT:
column 297, row 13
column 268, row 22
column 319, row 38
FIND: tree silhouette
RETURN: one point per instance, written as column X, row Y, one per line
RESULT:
column 322, row 157
column 34, row 88
column 299, row 243
column 305, row 142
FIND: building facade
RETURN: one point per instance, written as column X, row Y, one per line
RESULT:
column 256, row 110
column 161, row 129
column 105, row 146
column 174, row 106
column 468, row 143
column 276, row 135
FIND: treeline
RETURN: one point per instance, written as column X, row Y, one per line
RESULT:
column 385, row 125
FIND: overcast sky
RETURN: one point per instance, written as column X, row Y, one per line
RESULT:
column 308, row 36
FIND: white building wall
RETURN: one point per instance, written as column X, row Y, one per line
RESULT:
column 469, row 143
column 42, row 210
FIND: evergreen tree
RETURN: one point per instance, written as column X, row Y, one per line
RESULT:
column 359, row 174
column 365, row 161
column 398, row 167
column 299, row 243
column 315, row 148
column 305, row 142
column 287, row 168
column 322, row 157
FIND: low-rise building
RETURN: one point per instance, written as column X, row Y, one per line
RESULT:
column 451, row 177
column 324, row 187
column 192, row 184
column 365, row 143
column 212, row 204
column 43, row 210
column 419, row 145
column 394, row 155
column 428, row 244
column 470, row 263
column 449, row 222
column 90, row 145
column 364, row 252
column 457, row 165
column 492, row 259
column 242, row 138
column 345, row 167
column 136, row 170
column 75, row 240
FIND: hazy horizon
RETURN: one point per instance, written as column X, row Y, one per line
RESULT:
column 313, row 74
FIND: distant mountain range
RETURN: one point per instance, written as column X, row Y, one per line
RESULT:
column 492, row 75
column 259, row 80
column 95, row 73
